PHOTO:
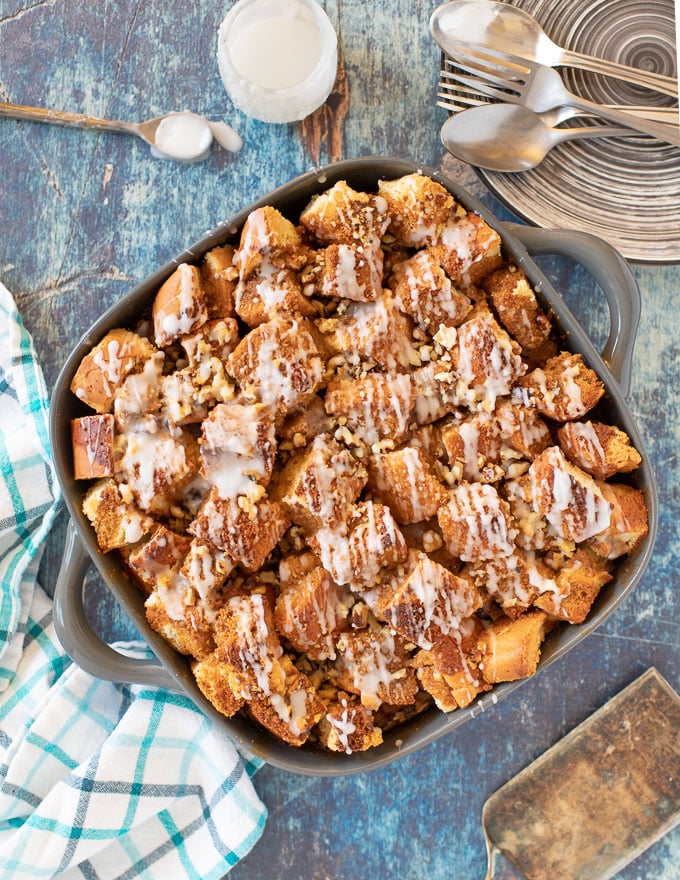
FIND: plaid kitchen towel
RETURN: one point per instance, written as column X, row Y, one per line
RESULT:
column 97, row 780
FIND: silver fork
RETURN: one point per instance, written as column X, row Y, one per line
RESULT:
column 455, row 98
column 516, row 80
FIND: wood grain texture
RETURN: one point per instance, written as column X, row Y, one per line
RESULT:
column 84, row 216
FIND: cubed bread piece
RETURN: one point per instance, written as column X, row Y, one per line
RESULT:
column 137, row 402
column 169, row 612
column 511, row 648
column 374, row 665
column 116, row 520
column 568, row 497
column 486, row 359
column 352, row 271
column 435, row 393
column 418, row 207
column 423, row 601
column 357, row 551
column 179, row 307
column 219, row 276
column 377, row 332
column 423, row 291
column 206, row 569
column 468, row 249
column 247, row 531
column 404, row 482
column 473, row 445
column 103, row 370
column 302, row 427
column 428, row 440
column 182, row 399
column 517, row 307
column 476, row 523
column 376, row 406
column 514, row 581
column 158, row 467
column 318, row 486
column 628, row 524
column 162, row 553
column 564, row 389
column 453, row 683
column 268, row 236
column 268, row 291
column 522, row 428
column 600, row 450
column 216, row 338
column 341, row 215
column 279, row 363
column 348, row 727
column 217, row 681
column 577, row 585
column 312, row 612
column 92, row 439
column 534, row 532
column 238, row 449
column 295, row 566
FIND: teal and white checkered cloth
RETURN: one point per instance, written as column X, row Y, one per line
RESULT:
column 97, row 780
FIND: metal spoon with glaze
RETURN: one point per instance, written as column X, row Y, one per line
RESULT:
column 510, row 29
column 184, row 136
column 510, row 137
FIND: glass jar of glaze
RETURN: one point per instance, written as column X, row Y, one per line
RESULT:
column 277, row 58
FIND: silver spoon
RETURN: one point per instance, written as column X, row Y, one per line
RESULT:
column 510, row 137
column 512, row 30
column 184, row 136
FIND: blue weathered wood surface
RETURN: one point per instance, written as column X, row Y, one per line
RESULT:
column 83, row 216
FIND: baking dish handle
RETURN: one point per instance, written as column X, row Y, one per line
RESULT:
column 612, row 273
column 78, row 638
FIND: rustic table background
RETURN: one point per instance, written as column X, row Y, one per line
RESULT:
column 84, row 216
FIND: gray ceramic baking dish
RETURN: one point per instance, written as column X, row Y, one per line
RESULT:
column 171, row 670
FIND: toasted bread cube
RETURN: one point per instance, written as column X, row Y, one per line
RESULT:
column 116, row 521
column 468, row 249
column 295, row 566
column 185, row 626
column 577, row 585
column 92, row 439
column 158, row 467
column 423, row 291
column 426, row 601
column 312, row 612
column 600, row 450
column 268, row 236
column 219, row 275
column 515, row 581
column 348, row 727
column 216, row 338
column 476, row 523
column 279, row 363
column 450, row 672
column 179, row 307
column 565, row 389
column 628, row 524
column 534, row 532
column 377, row 332
column 303, row 426
column 472, row 445
column 138, row 401
column 404, row 482
column 568, row 497
column 342, row 215
column 418, row 207
column 517, row 307
column 522, row 428
column 103, row 370
column 182, row 399
column 247, row 531
column 238, row 448
column 377, row 406
column 511, row 648
column 375, row 666
column 358, row 551
column 486, row 359
column 269, row 291
column 161, row 553
column 205, row 569
column 318, row 486
column 216, row 679
column 436, row 395
column 352, row 271
column 428, row 440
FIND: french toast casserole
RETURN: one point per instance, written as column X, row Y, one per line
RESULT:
column 352, row 466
